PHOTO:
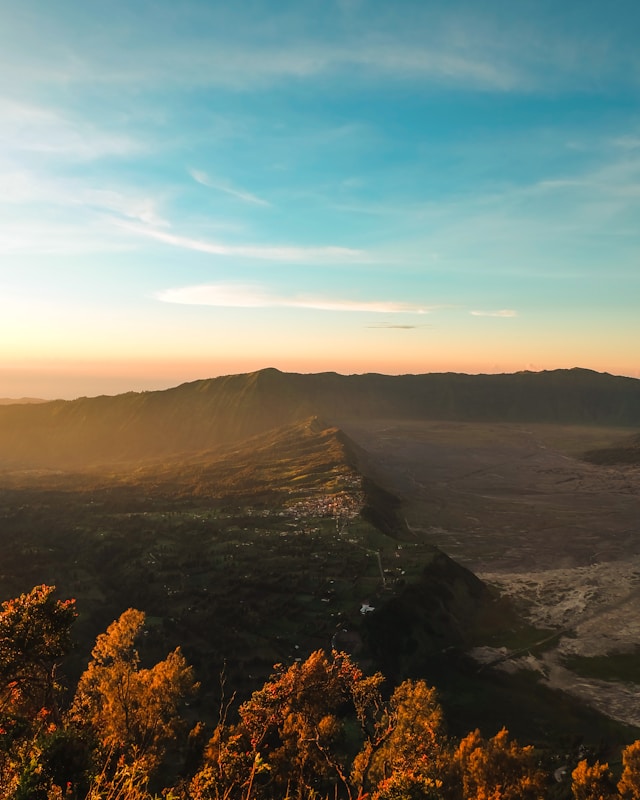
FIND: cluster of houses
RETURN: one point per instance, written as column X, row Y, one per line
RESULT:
column 343, row 504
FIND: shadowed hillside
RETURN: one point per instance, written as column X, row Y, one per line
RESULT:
column 208, row 413
column 626, row 451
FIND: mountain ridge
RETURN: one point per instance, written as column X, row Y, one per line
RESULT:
column 211, row 412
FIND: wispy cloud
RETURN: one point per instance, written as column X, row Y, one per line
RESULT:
column 442, row 65
column 37, row 129
column 396, row 327
column 237, row 295
column 627, row 142
column 505, row 312
column 485, row 51
column 47, row 214
column 265, row 252
column 456, row 45
column 127, row 205
column 247, row 66
column 223, row 186
column 585, row 210
column 42, row 237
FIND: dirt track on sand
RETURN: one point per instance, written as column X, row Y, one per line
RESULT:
column 516, row 505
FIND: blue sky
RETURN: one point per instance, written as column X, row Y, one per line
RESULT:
column 192, row 189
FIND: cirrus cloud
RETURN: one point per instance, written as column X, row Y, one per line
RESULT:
column 238, row 295
column 266, row 252
column 224, row 186
column 396, row 327
column 505, row 312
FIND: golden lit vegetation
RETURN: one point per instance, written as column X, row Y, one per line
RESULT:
column 318, row 728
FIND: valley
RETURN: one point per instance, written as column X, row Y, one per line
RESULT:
column 556, row 534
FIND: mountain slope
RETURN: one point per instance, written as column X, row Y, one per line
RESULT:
column 284, row 528
column 208, row 413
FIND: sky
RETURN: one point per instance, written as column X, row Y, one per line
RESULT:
column 201, row 188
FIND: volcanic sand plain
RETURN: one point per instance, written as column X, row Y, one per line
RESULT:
column 518, row 505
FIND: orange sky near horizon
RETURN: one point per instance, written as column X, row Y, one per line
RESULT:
column 71, row 379
column 192, row 191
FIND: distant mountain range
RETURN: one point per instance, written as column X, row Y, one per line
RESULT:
column 205, row 414
column 12, row 401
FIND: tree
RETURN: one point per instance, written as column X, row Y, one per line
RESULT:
column 297, row 734
column 35, row 634
column 125, row 782
column 409, row 784
column 295, row 722
column 132, row 711
column 592, row 782
column 629, row 785
column 409, row 747
column 498, row 769
column 321, row 727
